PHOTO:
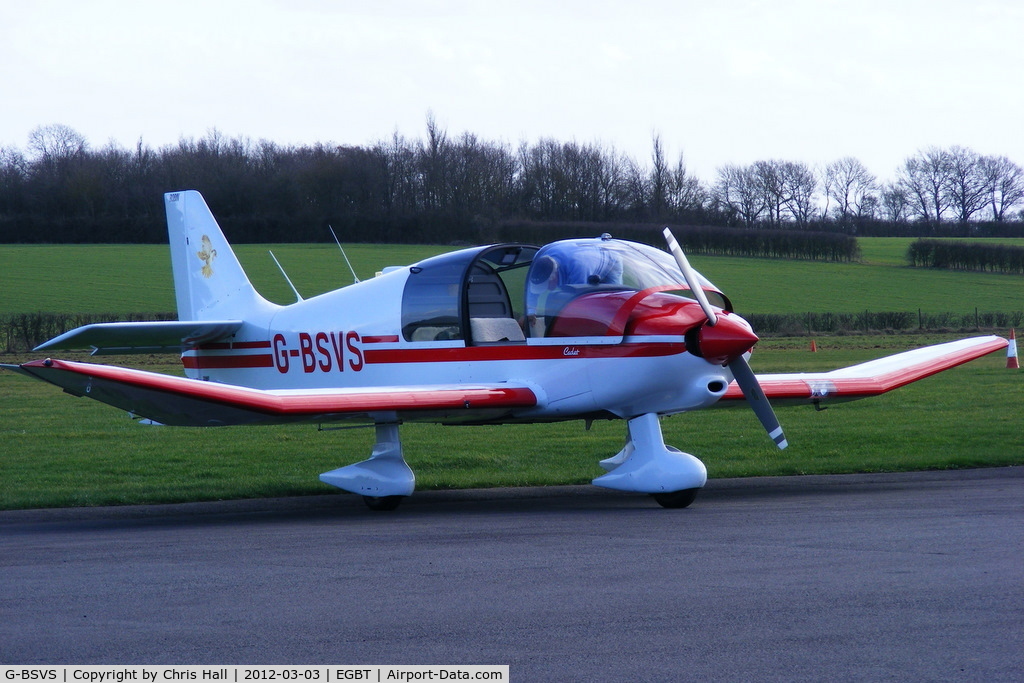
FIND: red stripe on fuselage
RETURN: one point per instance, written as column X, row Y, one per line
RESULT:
column 440, row 354
column 381, row 339
column 520, row 352
column 262, row 360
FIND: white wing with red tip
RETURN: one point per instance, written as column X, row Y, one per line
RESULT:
column 871, row 378
column 190, row 402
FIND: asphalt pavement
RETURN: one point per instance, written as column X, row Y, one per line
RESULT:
column 914, row 576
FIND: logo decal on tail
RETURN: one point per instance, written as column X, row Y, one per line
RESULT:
column 206, row 255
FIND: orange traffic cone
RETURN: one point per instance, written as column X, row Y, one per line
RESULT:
column 1011, row 353
column 814, row 347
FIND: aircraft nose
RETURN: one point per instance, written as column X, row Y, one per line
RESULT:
column 723, row 342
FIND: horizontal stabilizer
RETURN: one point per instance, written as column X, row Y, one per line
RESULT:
column 161, row 336
column 871, row 378
column 196, row 403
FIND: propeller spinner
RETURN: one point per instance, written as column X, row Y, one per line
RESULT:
column 737, row 363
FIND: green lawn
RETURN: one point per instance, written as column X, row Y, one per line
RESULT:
column 120, row 278
column 136, row 278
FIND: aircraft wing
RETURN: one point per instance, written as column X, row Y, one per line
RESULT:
column 870, row 378
column 142, row 337
column 190, row 402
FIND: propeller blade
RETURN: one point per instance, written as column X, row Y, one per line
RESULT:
column 691, row 277
column 745, row 377
column 752, row 391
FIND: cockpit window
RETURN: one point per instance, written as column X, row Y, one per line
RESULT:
column 562, row 271
column 430, row 304
column 495, row 294
column 473, row 294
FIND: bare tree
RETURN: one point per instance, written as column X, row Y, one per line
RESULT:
column 787, row 190
column 800, row 186
column 636, row 192
column 849, row 184
column 1004, row 185
column 573, row 189
column 686, row 192
column 869, row 206
column 610, row 172
column 569, row 181
column 14, row 172
column 738, row 192
column 13, row 164
column 828, row 182
column 894, row 203
column 399, row 175
column 968, row 187
column 56, row 142
column 772, row 184
column 659, row 180
column 434, row 165
column 925, row 180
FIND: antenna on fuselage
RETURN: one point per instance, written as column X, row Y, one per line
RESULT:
column 353, row 270
column 287, row 279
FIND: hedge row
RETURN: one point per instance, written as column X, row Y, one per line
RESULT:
column 955, row 255
column 705, row 240
column 21, row 332
column 766, row 324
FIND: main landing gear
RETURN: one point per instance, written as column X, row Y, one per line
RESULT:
column 644, row 465
column 384, row 479
column 647, row 465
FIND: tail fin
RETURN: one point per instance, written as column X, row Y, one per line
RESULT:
column 209, row 282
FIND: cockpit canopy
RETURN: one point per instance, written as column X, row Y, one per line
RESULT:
column 506, row 293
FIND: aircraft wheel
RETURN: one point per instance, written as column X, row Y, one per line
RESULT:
column 382, row 503
column 675, row 499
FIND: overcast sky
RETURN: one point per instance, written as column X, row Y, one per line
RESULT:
column 720, row 82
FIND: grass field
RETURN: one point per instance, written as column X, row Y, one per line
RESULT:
column 118, row 278
column 60, row 451
column 136, row 278
column 891, row 251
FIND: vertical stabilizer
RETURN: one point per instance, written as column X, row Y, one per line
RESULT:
column 209, row 283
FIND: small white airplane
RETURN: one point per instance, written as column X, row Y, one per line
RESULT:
column 580, row 329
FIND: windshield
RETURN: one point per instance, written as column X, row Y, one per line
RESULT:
column 564, row 270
